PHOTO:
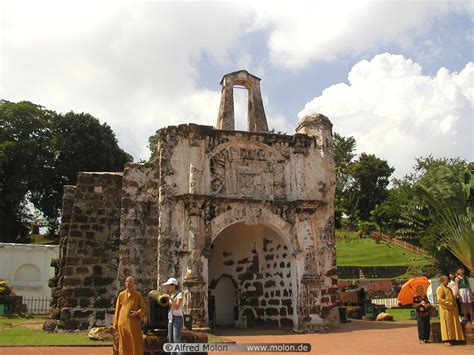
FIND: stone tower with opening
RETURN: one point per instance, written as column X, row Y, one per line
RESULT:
column 243, row 219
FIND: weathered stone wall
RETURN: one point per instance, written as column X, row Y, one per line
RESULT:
column 163, row 219
column 245, row 165
column 139, row 226
column 204, row 173
column 57, row 282
column 91, row 257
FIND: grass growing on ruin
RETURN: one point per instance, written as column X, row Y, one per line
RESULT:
column 352, row 250
column 28, row 331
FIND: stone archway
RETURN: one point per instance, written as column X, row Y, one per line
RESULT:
column 257, row 121
column 260, row 265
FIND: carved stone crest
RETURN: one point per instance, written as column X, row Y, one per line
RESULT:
column 247, row 171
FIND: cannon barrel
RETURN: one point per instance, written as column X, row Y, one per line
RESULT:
column 163, row 300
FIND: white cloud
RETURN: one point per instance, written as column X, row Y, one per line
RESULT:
column 136, row 65
column 308, row 30
column 397, row 113
column 131, row 65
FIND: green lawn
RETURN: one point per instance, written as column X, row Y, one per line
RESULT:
column 365, row 252
column 403, row 314
column 28, row 331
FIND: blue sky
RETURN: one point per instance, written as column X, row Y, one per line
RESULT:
column 396, row 75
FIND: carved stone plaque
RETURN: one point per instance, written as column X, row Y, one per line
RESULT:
column 248, row 172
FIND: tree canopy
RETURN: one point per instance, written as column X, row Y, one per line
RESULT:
column 40, row 151
column 361, row 184
column 430, row 207
column 368, row 185
column 448, row 193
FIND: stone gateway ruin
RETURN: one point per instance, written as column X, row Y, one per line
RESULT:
column 243, row 219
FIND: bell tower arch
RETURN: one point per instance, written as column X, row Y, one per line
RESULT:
column 257, row 121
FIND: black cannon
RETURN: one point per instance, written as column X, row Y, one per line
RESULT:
column 158, row 313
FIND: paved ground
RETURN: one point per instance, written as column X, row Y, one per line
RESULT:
column 356, row 337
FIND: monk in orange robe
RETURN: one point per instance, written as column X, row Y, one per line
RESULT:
column 451, row 329
column 130, row 308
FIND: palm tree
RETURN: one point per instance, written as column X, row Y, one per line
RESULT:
column 451, row 198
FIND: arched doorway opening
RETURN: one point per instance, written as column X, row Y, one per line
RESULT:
column 251, row 278
column 225, row 300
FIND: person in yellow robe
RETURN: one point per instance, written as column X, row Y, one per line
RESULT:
column 129, row 309
column 451, row 329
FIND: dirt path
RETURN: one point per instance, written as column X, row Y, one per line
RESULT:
column 356, row 337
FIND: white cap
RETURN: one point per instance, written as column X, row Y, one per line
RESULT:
column 171, row 281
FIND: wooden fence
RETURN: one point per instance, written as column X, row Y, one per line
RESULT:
column 403, row 244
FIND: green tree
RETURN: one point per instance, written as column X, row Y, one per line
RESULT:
column 344, row 153
column 153, row 146
column 448, row 193
column 367, row 186
column 80, row 143
column 25, row 154
column 418, row 222
column 40, row 151
column 388, row 213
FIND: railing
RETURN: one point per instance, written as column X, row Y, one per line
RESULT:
column 389, row 302
column 36, row 305
column 403, row 244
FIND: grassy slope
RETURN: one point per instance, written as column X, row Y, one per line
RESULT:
column 365, row 252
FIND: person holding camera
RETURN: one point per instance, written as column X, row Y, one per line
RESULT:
column 175, row 314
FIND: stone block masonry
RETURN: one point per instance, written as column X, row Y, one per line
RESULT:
column 243, row 219
column 139, row 225
column 89, row 245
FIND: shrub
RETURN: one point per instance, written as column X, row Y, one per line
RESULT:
column 365, row 228
column 5, row 290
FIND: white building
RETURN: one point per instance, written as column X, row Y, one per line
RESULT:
column 27, row 269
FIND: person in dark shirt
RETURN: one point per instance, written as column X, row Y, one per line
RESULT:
column 421, row 304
